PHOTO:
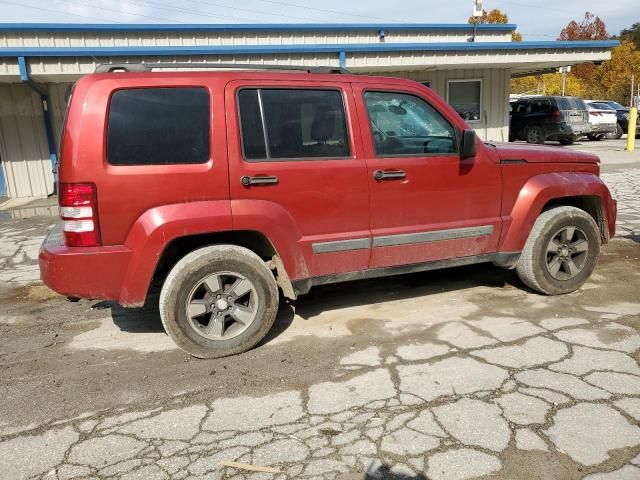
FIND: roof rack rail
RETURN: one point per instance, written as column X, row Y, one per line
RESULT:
column 148, row 67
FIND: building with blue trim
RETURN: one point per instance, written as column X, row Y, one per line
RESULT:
column 469, row 66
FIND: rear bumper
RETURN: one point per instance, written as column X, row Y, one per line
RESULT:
column 85, row 272
column 603, row 128
column 566, row 130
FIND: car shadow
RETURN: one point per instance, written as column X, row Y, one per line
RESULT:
column 337, row 296
column 400, row 287
column 380, row 472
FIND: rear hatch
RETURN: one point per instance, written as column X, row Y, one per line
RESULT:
column 573, row 110
column 602, row 117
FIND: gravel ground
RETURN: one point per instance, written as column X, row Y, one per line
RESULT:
column 454, row 374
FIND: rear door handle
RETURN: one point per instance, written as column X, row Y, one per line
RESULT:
column 248, row 181
column 380, row 175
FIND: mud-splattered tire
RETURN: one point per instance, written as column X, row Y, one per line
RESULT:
column 561, row 252
column 218, row 300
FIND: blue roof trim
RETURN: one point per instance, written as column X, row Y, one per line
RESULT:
column 271, row 49
column 197, row 27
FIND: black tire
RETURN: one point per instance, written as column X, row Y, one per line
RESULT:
column 534, row 134
column 619, row 131
column 568, row 140
column 533, row 265
column 190, row 271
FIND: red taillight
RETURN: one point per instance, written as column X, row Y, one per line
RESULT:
column 556, row 116
column 79, row 214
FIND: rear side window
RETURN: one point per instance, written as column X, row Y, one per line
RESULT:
column 158, row 126
column 571, row 103
column 521, row 107
column 292, row 124
column 540, row 106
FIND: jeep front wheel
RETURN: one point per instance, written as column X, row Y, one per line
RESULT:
column 218, row 300
column 561, row 252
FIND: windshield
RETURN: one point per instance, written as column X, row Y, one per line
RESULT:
column 600, row 106
column 617, row 106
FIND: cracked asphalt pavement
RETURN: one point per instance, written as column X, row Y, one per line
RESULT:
column 461, row 373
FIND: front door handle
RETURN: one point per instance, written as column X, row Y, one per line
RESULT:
column 248, row 181
column 380, row 175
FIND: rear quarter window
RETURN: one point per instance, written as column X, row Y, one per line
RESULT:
column 158, row 126
column 571, row 103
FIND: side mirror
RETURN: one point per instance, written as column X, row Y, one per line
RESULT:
column 468, row 147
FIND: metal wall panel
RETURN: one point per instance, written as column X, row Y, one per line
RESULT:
column 57, row 108
column 23, row 143
column 190, row 38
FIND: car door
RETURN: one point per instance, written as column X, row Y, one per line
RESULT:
column 426, row 203
column 518, row 119
column 296, row 163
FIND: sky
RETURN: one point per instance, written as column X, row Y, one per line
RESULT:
column 536, row 20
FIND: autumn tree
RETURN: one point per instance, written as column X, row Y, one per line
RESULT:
column 612, row 80
column 591, row 27
column 495, row 16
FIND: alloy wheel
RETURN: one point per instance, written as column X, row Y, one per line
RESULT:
column 222, row 305
column 567, row 253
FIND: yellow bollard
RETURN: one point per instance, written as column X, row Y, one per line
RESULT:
column 631, row 132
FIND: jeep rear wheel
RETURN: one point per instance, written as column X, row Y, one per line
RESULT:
column 535, row 134
column 218, row 301
column 561, row 252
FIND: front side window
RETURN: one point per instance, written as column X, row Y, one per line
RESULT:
column 403, row 124
column 292, row 124
column 465, row 98
column 158, row 126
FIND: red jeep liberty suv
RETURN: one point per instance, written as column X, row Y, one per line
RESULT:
column 227, row 187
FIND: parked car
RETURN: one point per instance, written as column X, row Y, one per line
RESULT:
column 622, row 113
column 225, row 187
column 603, row 120
column 540, row 118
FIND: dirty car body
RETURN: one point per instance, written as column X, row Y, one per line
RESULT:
column 223, row 187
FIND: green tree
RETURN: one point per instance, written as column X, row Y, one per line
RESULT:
column 495, row 16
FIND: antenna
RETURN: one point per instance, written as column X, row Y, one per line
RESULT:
column 477, row 14
column 477, row 9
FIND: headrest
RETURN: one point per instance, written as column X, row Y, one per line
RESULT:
column 324, row 122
